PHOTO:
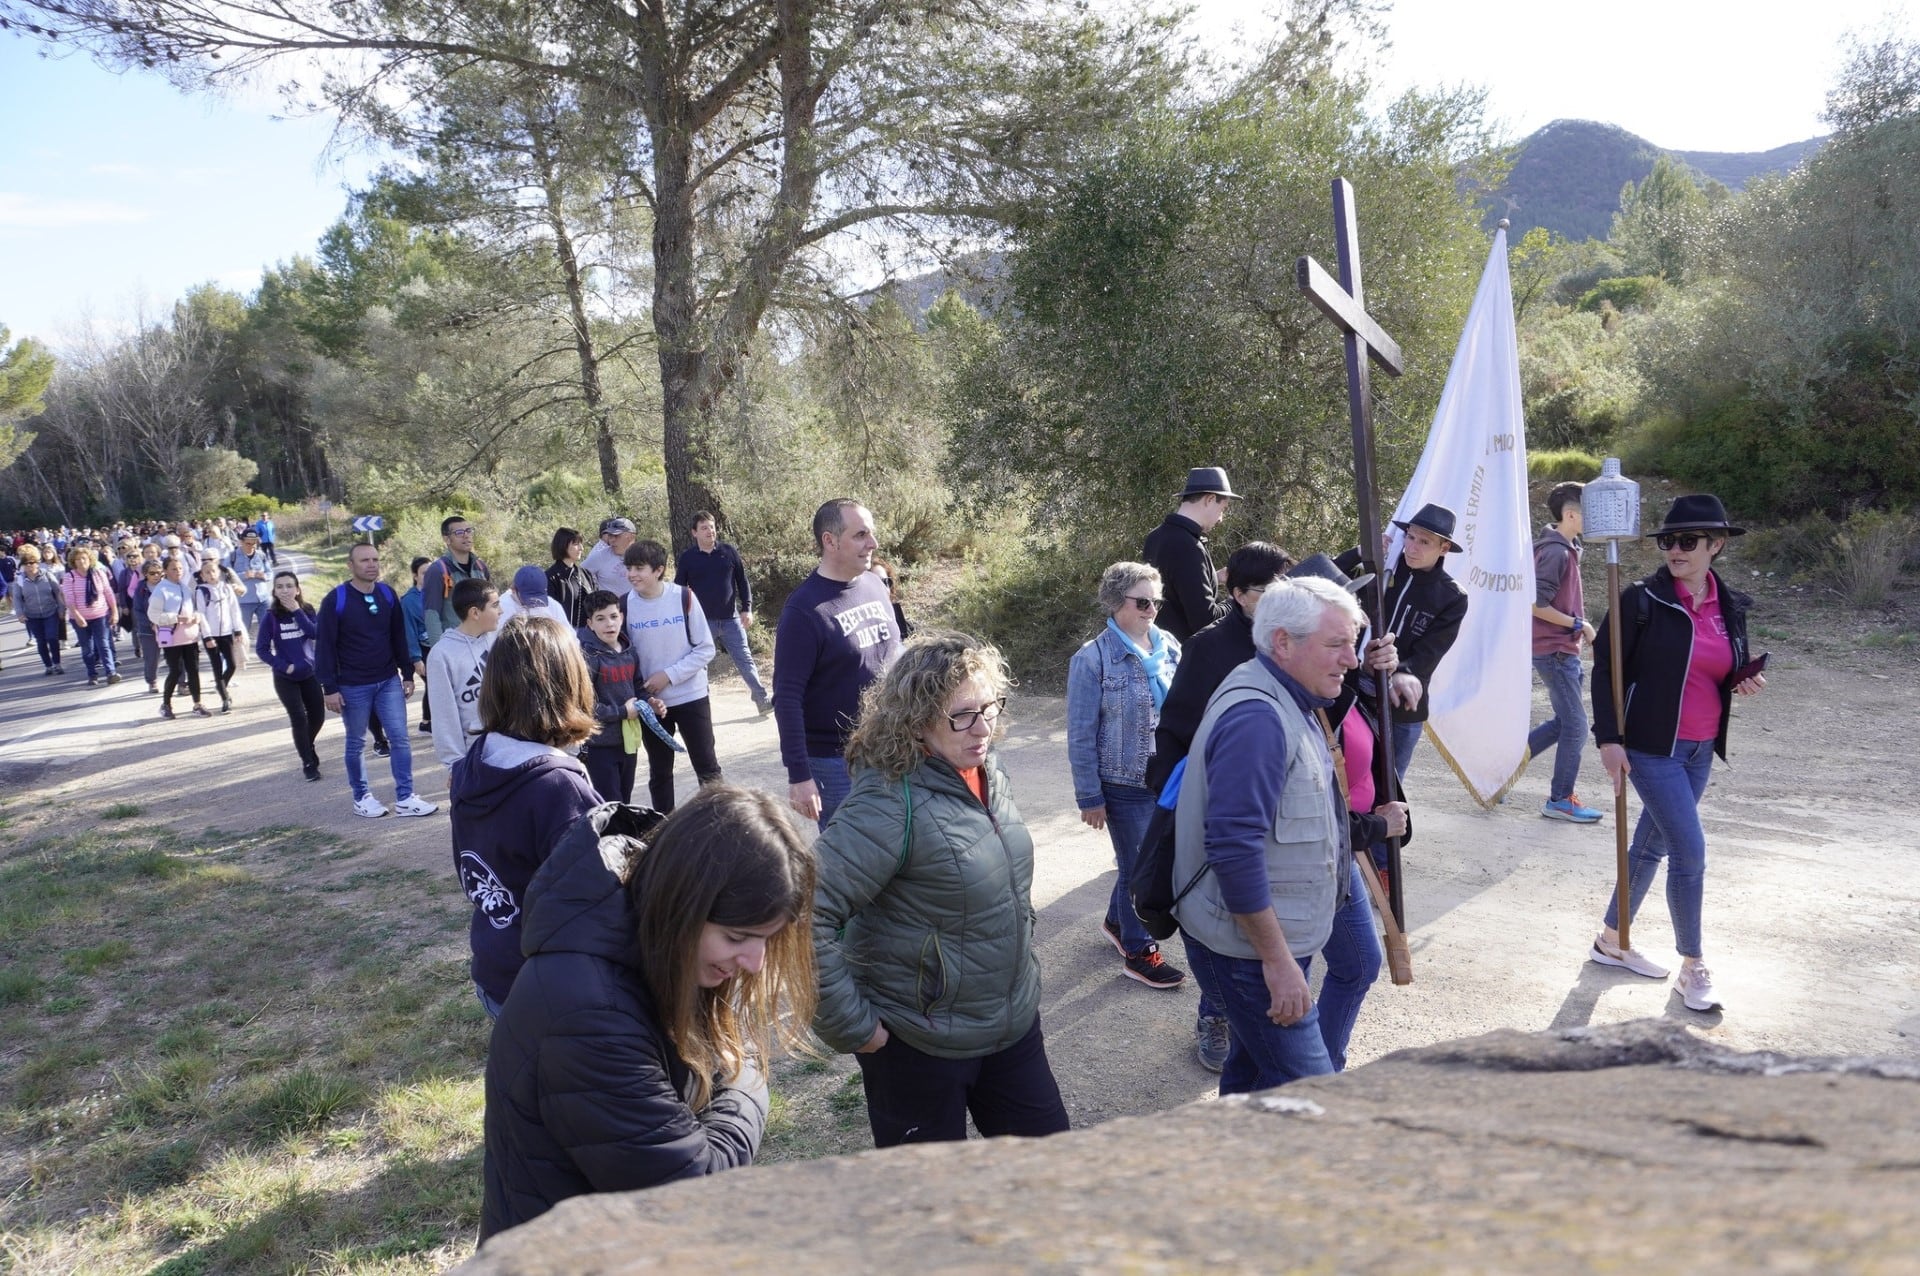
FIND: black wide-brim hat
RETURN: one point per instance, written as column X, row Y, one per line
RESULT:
column 1208, row 480
column 1701, row 512
column 1324, row 567
column 1437, row 519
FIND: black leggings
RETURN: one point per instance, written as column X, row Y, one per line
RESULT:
column 220, row 661
column 306, row 712
column 183, row 665
column 693, row 723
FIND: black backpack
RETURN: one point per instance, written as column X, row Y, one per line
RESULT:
column 1151, row 882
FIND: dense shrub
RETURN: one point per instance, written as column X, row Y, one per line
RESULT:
column 1630, row 292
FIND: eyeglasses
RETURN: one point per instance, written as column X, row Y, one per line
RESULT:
column 1146, row 604
column 987, row 713
column 373, row 604
column 461, row 531
column 1686, row 541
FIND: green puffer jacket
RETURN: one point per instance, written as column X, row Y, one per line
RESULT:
column 938, row 947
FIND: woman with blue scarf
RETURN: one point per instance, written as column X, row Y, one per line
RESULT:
column 1115, row 687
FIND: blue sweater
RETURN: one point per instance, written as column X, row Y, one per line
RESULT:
column 285, row 642
column 1248, row 740
column 718, row 580
column 834, row 639
column 362, row 640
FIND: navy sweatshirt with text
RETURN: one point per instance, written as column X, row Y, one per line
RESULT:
column 834, row 638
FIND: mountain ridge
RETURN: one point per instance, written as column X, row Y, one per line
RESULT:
column 1567, row 175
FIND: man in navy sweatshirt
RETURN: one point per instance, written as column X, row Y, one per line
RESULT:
column 366, row 670
column 713, row 570
column 836, row 635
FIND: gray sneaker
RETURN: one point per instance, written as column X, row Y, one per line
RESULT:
column 1625, row 958
column 1695, row 987
column 1210, row 1040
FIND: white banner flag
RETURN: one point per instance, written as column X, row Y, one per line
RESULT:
column 1480, row 701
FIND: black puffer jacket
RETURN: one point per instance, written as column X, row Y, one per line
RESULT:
column 584, row 1091
column 1656, row 637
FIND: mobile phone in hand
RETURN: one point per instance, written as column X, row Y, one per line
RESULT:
column 1757, row 665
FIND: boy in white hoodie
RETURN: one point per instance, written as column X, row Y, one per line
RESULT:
column 674, row 646
column 456, row 666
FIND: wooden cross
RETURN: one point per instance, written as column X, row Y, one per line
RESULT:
column 1345, row 304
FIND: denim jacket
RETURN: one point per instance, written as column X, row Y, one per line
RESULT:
column 1110, row 716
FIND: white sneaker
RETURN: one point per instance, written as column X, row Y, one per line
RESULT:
column 1695, row 986
column 414, row 804
column 369, row 806
column 1625, row 958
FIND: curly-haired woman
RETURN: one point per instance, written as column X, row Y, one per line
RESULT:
column 923, row 921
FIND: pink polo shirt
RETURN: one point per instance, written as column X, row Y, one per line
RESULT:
column 1711, row 663
column 1356, row 745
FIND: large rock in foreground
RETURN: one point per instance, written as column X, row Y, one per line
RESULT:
column 1634, row 1148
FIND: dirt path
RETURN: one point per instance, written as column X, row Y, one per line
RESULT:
column 1811, row 904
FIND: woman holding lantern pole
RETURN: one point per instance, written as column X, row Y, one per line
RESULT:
column 1683, row 657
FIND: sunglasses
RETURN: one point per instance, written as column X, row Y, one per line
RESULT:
column 1686, row 541
column 1146, row 604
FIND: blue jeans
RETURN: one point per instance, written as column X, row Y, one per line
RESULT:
column 1405, row 736
column 45, row 632
column 386, row 701
column 1261, row 1053
column 1567, row 728
column 831, row 778
column 1129, row 807
column 1353, row 958
column 488, row 1004
column 251, row 614
column 731, row 636
column 1669, row 827
column 96, row 646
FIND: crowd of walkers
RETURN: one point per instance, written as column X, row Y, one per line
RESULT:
column 641, row 961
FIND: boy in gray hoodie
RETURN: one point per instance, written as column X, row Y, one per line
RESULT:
column 456, row 666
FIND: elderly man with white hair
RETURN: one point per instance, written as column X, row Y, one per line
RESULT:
column 1262, row 834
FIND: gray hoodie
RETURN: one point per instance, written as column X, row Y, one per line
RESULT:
column 455, row 668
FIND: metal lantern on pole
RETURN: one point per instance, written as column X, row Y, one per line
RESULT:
column 1610, row 511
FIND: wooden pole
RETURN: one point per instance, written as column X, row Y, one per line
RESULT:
column 1622, row 871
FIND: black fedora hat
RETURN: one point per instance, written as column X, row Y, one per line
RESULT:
column 1437, row 519
column 1208, row 480
column 1323, row 567
column 1701, row 512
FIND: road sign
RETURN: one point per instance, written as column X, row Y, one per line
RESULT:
column 369, row 523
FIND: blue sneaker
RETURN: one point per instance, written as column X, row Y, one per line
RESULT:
column 1569, row 809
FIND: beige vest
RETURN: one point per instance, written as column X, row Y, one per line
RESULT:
column 1305, row 847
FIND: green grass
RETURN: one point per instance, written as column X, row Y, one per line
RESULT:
column 216, row 1064
column 122, row 811
column 1563, row 465
column 1894, row 639
column 215, row 1068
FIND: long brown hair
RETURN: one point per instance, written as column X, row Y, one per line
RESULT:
column 730, row 856
column 537, row 686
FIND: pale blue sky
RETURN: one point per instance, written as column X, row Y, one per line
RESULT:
column 115, row 189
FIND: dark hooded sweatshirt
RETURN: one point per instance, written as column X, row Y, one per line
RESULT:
column 585, row 1092
column 513, row 801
